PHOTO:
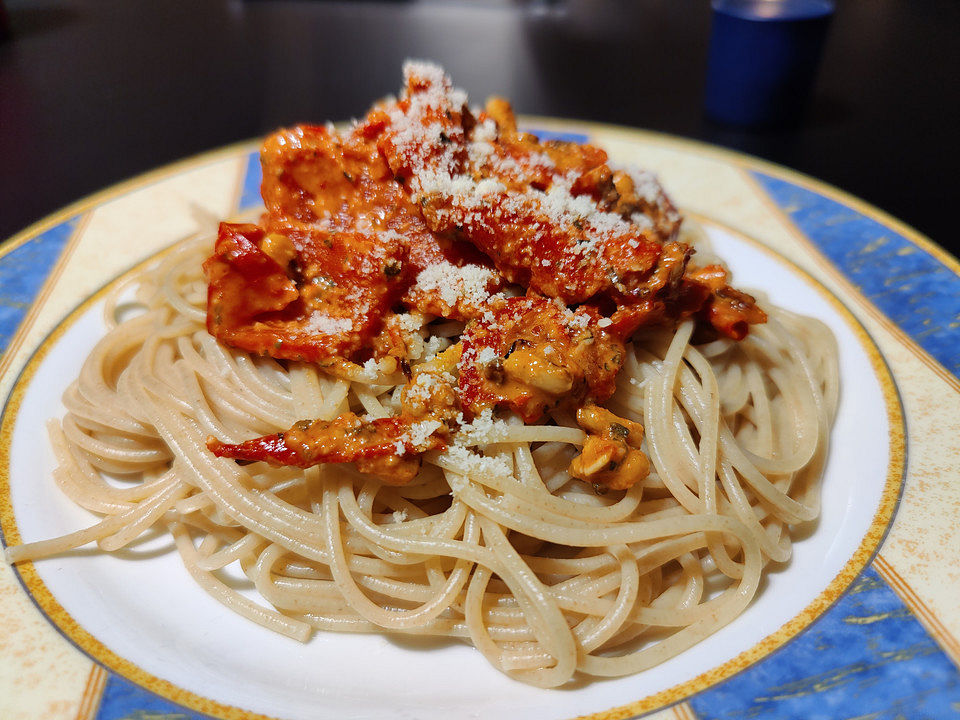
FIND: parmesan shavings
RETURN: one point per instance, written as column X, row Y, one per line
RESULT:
column 425, row 384
column 421, row 431
column 484, row 429
column 326, row 325
column 465, row 285
column 471, row 463
column 486, row 355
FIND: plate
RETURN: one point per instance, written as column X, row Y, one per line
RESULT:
column 862, row 620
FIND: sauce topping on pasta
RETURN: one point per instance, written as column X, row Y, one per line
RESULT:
column 427, row 206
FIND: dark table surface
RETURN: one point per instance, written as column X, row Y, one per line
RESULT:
column 92, row 92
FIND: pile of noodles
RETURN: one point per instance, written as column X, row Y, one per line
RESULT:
column 493, row 542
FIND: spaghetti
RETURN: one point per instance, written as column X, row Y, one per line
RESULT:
column 491, row 539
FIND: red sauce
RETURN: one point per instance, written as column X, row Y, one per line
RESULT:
column 533, row 355
column 355, row 219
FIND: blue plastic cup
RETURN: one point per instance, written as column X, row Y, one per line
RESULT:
column 763, row 59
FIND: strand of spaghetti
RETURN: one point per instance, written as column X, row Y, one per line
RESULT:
column 303, row 596
column 86, row 487
column 501, row 432
column 403, row 507
column 480, row 636
column 246, row 400
column 98, row 418
column 769, row 345
column 138, row 524
column 708, row 427
column 208, row 523
column 740, row 503
column 521, row 495
column 572, row 593
column 334, row 399
column 826, row 403
column 761, row 410
column 658, row 411
column 221, row 402
column 629, row 585
column 361, row 505
column 745, row 512
column 262, row 377
column 575, row 534
column 362, row 502
column 575, row 599
column 324, row 599
column 340, row 623
column 241, row 548
column 789, row 509
column 370, row 566
column 387, row 537
column 141, row 516
column 441, row 525
column 210, row 421
column 111, row 455
column 687, row 636
column 232, row 599
column 296, row 530
column 194, row 504
column 542, row 613
column 532, row 508
column 113, row 309
column 92, row 382
column 173, row 272
column 370, row 403
column 357, row 600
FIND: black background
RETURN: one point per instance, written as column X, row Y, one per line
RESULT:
column 94, row 92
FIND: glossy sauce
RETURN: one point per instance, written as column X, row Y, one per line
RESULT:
column 429, row 206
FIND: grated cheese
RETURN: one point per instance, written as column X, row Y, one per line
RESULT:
column 484, row 429
column 486, row 355
column 419, row 432
column 425, row 384
column 475, row 464
column 467, row 284
column 322, row 324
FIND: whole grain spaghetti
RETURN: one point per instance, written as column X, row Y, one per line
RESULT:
column 586, row 478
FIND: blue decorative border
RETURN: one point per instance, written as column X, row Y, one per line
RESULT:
column 123, row 700
column 23, row 272
column 912, row 287
column 867, row 657
column 561, row 135
column 250, row 189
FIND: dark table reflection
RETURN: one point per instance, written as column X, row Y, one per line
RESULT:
column 94, row 92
